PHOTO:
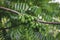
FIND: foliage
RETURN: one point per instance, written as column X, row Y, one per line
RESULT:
column 25, row 25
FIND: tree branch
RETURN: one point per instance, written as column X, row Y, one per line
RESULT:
column 16, row 12
column 55, row 23
column 10, row 10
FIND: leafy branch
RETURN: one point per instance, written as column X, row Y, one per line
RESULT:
column 16, row 12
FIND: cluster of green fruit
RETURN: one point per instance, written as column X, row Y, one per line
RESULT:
column 29, row 22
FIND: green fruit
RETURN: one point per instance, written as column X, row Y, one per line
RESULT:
column 22, row 19
column 29, row 19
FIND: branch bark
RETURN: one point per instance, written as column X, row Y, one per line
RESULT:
column 55, row 23
column 16, row 12
column 10, row 10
